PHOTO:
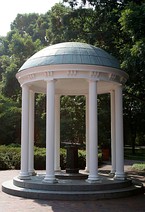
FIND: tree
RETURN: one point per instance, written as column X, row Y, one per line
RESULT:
column 56, row 32
column 132, row 22
column 73, row 119
column 20, row 48
column 10, row 115
column 116, row 26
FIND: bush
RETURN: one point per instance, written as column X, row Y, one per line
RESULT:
column 4, row 162
column 16, row 161
column 62, row 158
column 138, row 167
column 10, row 157
column 39, row 161
column 39, row 158
column 81, row 159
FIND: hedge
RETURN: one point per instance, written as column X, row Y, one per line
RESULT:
column 10, row 157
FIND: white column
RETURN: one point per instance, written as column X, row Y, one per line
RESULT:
column 31, row 133
column 50, row 132
column 25, row 133
column 57, row 133
column 93, row 133
column 119, row 174
column 87, row 134
column 113, row 142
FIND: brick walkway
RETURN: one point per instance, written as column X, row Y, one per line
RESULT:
column 10, row 203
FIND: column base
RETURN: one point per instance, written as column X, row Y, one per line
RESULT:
column 49, row 179
column 32, row 173
column 120, row 176
column 58, row 169
column 112, row 174
column 86, row 169
column 24, row 176
column 93, row 179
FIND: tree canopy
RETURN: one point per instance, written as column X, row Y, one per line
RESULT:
column 115, row 26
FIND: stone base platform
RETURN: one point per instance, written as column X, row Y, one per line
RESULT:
column 71, row 187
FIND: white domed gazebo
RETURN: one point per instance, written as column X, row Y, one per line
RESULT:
column 71, row 68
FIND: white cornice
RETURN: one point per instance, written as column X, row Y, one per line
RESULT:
column 68, row 71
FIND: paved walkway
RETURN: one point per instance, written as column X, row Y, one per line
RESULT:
column 10, row 203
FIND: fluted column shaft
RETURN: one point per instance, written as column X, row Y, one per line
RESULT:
column 93, row 133
column 119, row 174
column 50, row 132
column 25, row 133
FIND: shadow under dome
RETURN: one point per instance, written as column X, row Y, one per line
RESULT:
column 71, row 53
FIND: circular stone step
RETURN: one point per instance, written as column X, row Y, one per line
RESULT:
column 105, row 183
column 71, row 189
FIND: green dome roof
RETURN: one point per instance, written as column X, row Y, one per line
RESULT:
column 71, row 53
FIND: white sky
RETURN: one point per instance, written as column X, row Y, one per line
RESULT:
column 10, row 8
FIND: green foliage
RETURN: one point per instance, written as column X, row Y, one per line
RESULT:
column 104, row 119
column 23, row 46
column 10, row 85
column 40, row 120
column 10, row 115
column 139, row 153
column 138, row 167
column 10, row 157
column 34, row 25
column 81, row 159
column 72, row 119
column 116, row 26
column 132, row 52
column 56, row 31
column 39, row 158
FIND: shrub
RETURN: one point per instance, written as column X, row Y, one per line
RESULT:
column 81, row 159
column 62, row 158
column 138, row 167
column 16, row 161
column 10, row 157
column 4, row 161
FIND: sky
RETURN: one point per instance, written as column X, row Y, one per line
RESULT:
column 10, row 8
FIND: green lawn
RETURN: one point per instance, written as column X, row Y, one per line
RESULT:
column 139, row 153
column 138, row 167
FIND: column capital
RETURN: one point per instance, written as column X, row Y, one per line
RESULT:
column 92, row 80
column 118, row 86
column 58, row 95
column 112, row 91
column 31, row 90
column 50, row 80
column 26, row 85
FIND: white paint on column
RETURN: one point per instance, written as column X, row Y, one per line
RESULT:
column 57, row 133
column 31, row 132
column 93, row 133
column 50, row 132
column 87, row 134
column 25, row 133
column 113, row 141
column 119, row 174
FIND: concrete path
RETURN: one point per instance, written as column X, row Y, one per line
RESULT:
column 10, row 203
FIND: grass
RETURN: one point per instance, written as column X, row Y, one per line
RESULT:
column 139, row 153
column 138, row 167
